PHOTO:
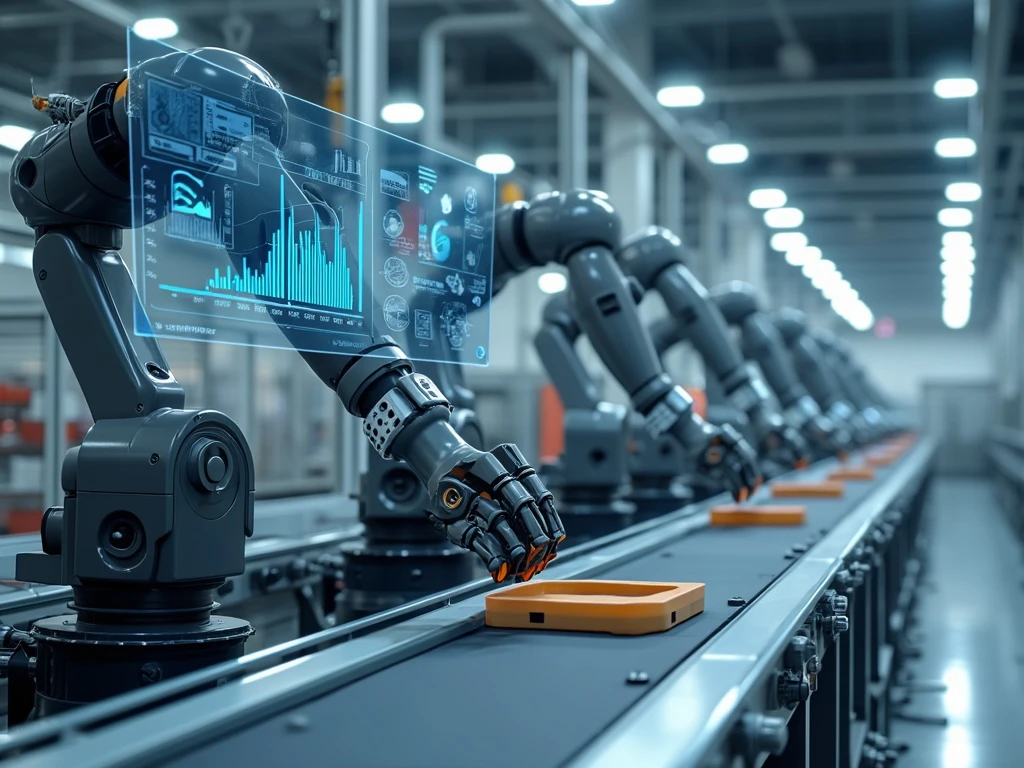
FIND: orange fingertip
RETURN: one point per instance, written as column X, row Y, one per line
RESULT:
column 803, row 464
column 743, row 494
column 502, row 573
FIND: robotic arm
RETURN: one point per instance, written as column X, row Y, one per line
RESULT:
column 761, row 342
column 853, row 379
column 655, row 259
column 819, row 378
column 579, row 229
column 74, row 177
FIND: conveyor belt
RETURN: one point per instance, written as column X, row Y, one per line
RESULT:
column 566, row 687
column 425, row 685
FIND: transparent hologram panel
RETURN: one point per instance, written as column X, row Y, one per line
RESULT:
column 263, row 219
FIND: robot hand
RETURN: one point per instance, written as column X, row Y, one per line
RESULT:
column 829, row 436
column 495, row 505
column 780, row 442
column 728, row 458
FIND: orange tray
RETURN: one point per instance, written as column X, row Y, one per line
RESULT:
column 853, row 473
column 735, row 515
column 831, row 489
column 618, row 607
column 881, row 460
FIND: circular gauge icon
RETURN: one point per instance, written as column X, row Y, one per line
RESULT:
column 393, row 223
column 470, row 200
column 395, row 272
column 396, row 313
column 440, row 243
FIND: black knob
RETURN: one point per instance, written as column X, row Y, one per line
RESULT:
column 52, row 530
column 793, row 688
column 209, row 466
column 799, row 650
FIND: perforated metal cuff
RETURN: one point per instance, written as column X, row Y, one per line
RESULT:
column 675, row 405
column 412, row 396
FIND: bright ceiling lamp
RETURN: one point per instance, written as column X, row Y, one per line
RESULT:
column 552, row 282
column 956, row 147
column 955, row 316
column 825, row 280
column 784, row 218
column 681, row 96
column 589, row 3
column 823, row 267
column 957, row 238
column 728, row 154
column 798, row 257
column 14, row 136
column 956, row 87
column 156, row 28
column 788, row 241
column 958, row 293
column 950, row 268
column 497, row 163
column 859, row 316
column 961, row 282
column 955, row 217
column 958, row 253
column 401, row 113
column 963, row 192
column 767, row 198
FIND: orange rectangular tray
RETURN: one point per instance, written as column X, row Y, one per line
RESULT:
column 853, row 473
column 831, row 489
column 618, row 607
column 767, row 514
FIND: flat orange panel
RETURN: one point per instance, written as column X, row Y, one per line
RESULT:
column 881, row 460
column 830, row 489
column 853, row 473
column 735, row 515
column 618, row 607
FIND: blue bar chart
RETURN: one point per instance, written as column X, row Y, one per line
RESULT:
column 299, row 268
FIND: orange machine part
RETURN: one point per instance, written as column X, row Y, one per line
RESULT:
column 552, row 424
column 617, row 607
column 853, row 473
column 700, row 401
column 24, row 520
column 830, row 489
column 733, row 515
column 881, row 459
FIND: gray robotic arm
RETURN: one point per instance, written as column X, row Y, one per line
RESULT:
column 852, row 379
column 762, row 343
column 819, row 378
column 579, row 229
column 655, row 259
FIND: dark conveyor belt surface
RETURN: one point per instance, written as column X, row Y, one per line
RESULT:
column 452, row 705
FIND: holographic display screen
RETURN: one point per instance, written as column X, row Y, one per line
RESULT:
column 265, row 220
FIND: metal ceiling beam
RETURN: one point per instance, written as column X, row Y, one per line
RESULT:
column 888, row 182
column 10, row 21
column 704, row 14
column 816, row 89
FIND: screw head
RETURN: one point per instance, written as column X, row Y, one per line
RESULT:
column 150, row 673
column 42, row 274
column 154, row 458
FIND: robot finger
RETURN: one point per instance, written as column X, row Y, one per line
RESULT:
column 488, row 549
column 554, row 522
column 514, row 549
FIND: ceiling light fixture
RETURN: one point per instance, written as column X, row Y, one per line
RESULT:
column 956, row 147
column 728, row 154
column 956, row 87
column 681, row 96
column 497, row 163
column 767, row 198
column 788, row 241
column 401, row 113
column 956, row 217
column 784, row 218
column 156, row 28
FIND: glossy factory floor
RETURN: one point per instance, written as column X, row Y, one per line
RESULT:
column 971, row 630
